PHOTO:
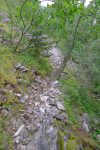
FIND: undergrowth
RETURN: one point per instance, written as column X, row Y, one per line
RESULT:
column 78, row 100
column 5, row 139
column 41, row 64
column 6, row 66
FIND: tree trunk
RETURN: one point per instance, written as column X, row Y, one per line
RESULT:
column 70, row 48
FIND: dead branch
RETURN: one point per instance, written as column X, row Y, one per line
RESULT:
column 22, row 34
column 24, row 31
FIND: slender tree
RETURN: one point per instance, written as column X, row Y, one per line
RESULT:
column 70, row 46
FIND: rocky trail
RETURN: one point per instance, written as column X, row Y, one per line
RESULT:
column 33, row 128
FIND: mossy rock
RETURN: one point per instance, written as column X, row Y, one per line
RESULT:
column 6, row 66
column 70, row 143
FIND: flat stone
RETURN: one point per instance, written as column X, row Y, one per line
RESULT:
column 42, row 110
column 17, row 139
column 60, row 106
column 21, row 147
column 54, row 83
column 37, row 103
column 47, row 105
column 19, row 130
column 52, row 103
column 24, row 98
column 6, row 20
column 44, row 98
column 62, row 117
column 18, row 94
column 25, row 133
column 35, row 88
column 31, row 128
column 18, row 66
column 50, row 129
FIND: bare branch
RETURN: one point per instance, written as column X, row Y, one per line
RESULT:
column 23, row 25
column 24, row 31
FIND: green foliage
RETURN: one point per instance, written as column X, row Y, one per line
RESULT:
column 37, row 44
column 58, row 22
column 79, row 96
column 39, row 63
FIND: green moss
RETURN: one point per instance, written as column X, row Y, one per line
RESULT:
column 71, row 142
column 27, row 78
column 5, row 27
column 6, row 66
column 5, row 138
column 60, row 140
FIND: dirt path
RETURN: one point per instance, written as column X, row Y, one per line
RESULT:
column 34, row 127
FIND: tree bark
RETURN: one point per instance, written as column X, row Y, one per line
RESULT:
column 69, row 48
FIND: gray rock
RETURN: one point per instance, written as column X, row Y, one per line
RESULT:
column 42, row 110
column 30, row 110
column 85, row 126
column 17, row 139
column 32, row 128
column 4, row 112
column 6, row 20
column 60, row 106
column 85, row 118
column 35, row 88
column 18, row 94
column 19, row 81
column 47, row 105
column 44, row 98
column 52, row 138
column 37, row 103
column 21, row 68
column 24, row 98
column 52, row 103
column 39, row 80
column 21, row 147
column 62, row 117
column 25, row 133
column 54, row 83
column 50, row 130
column 17, row 66
column 19, row 130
